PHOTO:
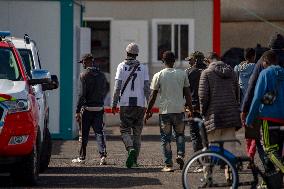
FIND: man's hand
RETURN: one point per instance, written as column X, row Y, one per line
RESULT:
column 148, row 115
column 78, row 117
column 114, row 110
column 189, row 111
column 189, row 114
column 243, row 118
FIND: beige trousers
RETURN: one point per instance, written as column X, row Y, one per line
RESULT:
column 221, row 134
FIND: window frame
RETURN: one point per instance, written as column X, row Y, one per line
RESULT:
column 172, row 22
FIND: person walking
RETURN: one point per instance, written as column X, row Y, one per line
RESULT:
column 172, row 85
column 219, row 104
column 276, row 44
column 197, row 65
column 267, row 106
column 90, row 107
column 252, row 134
column 131, row 90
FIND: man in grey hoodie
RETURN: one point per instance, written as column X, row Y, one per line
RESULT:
column 219, row 104
column 131, row 90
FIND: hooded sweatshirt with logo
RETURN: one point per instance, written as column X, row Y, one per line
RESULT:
column 219, row 97
column 269, row 80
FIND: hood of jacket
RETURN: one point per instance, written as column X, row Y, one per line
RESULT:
column 221, row 69
column 279, row 72
column 131, row 61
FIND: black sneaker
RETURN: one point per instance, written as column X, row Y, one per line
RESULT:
column 180, row 161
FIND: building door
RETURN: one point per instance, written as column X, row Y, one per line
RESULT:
column 123, row 33
column 100, row 47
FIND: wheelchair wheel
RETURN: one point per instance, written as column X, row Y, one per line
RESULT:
column 209, row 170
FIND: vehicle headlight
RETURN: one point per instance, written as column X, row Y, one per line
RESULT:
column 17, row 106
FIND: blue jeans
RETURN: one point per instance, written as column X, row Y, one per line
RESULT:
column 167, row 123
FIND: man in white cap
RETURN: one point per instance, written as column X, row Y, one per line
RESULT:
column 130, row 91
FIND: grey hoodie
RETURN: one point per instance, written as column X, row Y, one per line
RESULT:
column 219, row 97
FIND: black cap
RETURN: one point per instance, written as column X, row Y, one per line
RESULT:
column 195, row 55
column 87, row 56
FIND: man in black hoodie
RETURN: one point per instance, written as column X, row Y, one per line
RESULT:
column 277, row 45
column 197, row 65
column 90, row 107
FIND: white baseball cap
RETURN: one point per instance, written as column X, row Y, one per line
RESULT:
column 132, row 48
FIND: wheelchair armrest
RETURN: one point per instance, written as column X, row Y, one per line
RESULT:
column 221, row 142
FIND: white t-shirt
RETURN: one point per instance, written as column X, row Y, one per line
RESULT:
column 134, row 91
column 170, row 83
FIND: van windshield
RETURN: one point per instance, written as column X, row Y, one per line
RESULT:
column 27, row 58
column 9, row 68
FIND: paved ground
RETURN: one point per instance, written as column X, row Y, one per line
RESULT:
column 63, row 174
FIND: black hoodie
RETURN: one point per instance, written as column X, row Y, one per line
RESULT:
column 93, row 88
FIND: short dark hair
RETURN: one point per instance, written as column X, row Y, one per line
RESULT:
column 270, row 57
column 249, row 53
column 168, row 57
column 213, row 56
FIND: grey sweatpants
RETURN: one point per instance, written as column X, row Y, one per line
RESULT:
column 131, row 123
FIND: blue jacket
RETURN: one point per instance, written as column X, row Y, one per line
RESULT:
column 253, row 79
column 267, row 82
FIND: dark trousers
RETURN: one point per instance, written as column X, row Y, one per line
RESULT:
column 195, row 133
column 95, row 120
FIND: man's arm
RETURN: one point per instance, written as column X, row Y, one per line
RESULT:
column 203, row 93
column 82, row 94
column 81, row 98
column 251, row 86
column 155, row 85
column 117, row 89
column 147, row 90
column 187, row 96
column 116, row 95
column 260, row 88
column 236, row 88
column 151, row 103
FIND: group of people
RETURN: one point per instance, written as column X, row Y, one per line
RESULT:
column 250, row 95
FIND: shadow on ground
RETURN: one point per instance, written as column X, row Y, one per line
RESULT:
column 87, row 177
column 99, row 170
column 95, row 181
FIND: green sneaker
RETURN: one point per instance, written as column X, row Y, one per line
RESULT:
column 135, row 165
column 131, row 158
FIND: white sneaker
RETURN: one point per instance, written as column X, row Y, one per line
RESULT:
column 198, row 169
column 168, row 168
column 103, row 161
column 78, row 160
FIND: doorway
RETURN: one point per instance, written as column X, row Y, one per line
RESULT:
column 100, row 48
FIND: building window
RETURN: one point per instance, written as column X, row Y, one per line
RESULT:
column 176, row 35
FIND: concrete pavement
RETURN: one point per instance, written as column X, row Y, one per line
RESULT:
column 63, row 174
